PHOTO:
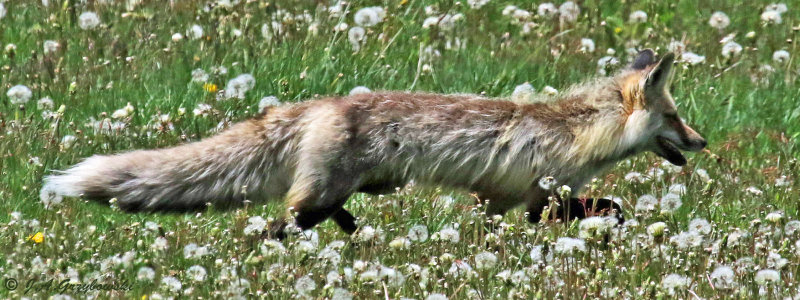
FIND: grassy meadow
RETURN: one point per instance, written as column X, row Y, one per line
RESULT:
column 85, row 77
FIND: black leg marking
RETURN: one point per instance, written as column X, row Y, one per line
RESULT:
column 345, row 220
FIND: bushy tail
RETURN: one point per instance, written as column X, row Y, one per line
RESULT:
column 223, row 170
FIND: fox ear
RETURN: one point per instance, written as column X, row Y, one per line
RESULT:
column 645, row 58
column 659, row 76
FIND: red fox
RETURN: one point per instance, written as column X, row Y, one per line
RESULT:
column 316, row 154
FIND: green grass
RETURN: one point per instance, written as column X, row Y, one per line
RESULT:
column 751, row 119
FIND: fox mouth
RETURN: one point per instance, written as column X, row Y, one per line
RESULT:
column 667, row 149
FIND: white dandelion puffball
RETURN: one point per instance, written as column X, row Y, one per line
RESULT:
column 723, row 277
column 195, row 32
column 436, row 296
column 356, row 36
column 692, row 58
column 369, row 16
column 418, row 233
column 88, row 20
column 19, row 94
column 360, row 90
column 50, row 46
column 45, row 104
column 676, row 46
column 449, row 234
column 778, row 7
column 547, row 9
column 255, row 225
column 670, row 203
column 771, row 17
column 523, row 92
column 731, row 49
column 196, row 273
column 341, row 294
column 673, row 282
column 637, row 17
column 719, row 20
column 646, row 203
column 49, row 197
column 145, row 274
column 549, row 90
column 485, row 261
column 199, row 76
column 587, row 45
column 305, row 285
column 700, row 226
column 68, row 140
column 268, row 101
column 567, row 245
column 767, row 276
column 780, row 56
column 475, row 4
column 177, row 37
column 569, row 11
column 238, row 86
column 171, row 283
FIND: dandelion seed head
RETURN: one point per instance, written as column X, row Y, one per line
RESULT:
column 719, row 20
column 418, row 233
column 476, row 4
column 774, row 216
column 171, row 284
column 771, row 17
column 567, row 245
column 670, row 203
column 485, row 261
column 239, row 85
column 700, row 226
column 360, row 90
column 731, row 49
column 780, row 56
column 195, row 32
column 792, row 227
column 646, row 203
column 449, row 234
column 723, row 277
column 777, row 7
column 674, row 282
column 587, row 45
column 196, row 273
column 145, row 274
column 767, row 276
column 369, row 16
column 88, row 20
column 436, row 296
column 305, row 285
column 547, row 9
column 19, row 94
column 637, row 17
column 255, row 225
column 341, row 294
column 569, row 11
column 692, row 58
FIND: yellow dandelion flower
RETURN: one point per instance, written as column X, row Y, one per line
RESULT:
column 37, row 238
column 617, row 29
column 210, row 87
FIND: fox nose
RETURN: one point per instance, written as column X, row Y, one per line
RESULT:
column 703, row 143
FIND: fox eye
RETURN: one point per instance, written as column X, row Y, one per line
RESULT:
column 671, row 115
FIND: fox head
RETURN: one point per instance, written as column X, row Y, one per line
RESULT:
column 653, row 121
